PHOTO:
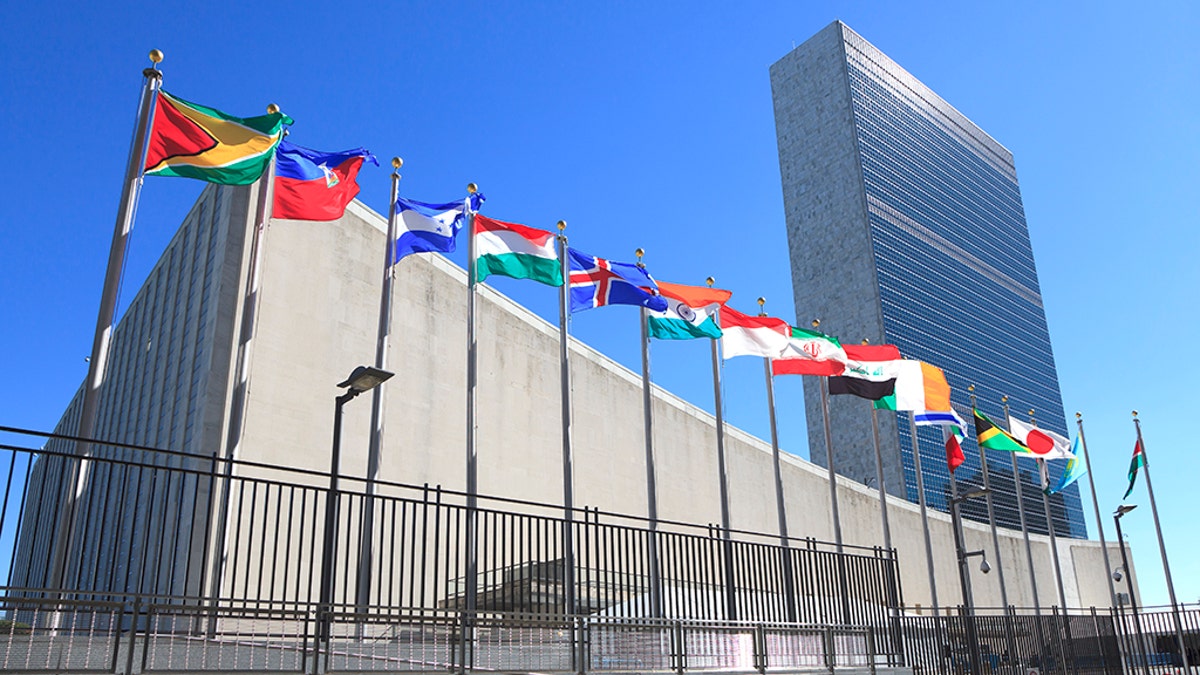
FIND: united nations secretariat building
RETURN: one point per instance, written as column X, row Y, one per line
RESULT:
column 204, row 530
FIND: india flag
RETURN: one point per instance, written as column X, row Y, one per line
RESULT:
column 516, row 251
column 690, row 312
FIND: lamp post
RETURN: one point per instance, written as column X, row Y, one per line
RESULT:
column 963, row 578
column 364, row 378
column 1137, row 622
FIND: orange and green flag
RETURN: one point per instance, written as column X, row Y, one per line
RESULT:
column 194, row 141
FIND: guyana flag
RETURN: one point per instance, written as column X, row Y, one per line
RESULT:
column 992, row 437
column 193, row 141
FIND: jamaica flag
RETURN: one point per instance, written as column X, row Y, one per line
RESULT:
column 193, row 141
column 992, row 437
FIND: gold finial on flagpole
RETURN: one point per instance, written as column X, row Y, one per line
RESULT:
column 971, row 388
column 1004, row 399
column 156, row 57
column 639, row 253
column 272, row 108
column 1078, row 415
column 562, row 225
column 472, row 188
column 710, row 281
column 816, row 323
column 397, row 162
column 865, row 341
column 761, row 301
column 1032, row 420
column 1135, row 414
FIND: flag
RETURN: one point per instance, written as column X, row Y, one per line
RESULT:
column 426, row 228
column 1041, row 443
column 1073, row 472
column 596, row 282
column 690, row 313
column 870, row 372
column 516, row 251
column 1138, row 461
column 193, row 141
column 920, row 387
column 745, row 335
column 315, row 185
column 808, row 352
column 942, row 418
column 954, row 453
column 992, row 437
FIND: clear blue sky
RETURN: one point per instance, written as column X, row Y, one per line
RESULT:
column 644, row 124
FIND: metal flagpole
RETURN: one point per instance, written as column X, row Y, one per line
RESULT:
column 1162, row 547
column 472, row 552
column 987, row 485
column 789, row 581
column 843, row 589
column 916, row 447
column 564, row 313
column 375, row 450
column 883, row 509
column 241, row 376
column 651, row 480
column 126, row 209
column 1096, row 505
column 1062, row 594
column 730, row 585
column 1037, row 604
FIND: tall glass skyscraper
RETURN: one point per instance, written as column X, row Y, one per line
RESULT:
column 905, row 225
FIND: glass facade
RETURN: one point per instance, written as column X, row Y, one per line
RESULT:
column 955, row 279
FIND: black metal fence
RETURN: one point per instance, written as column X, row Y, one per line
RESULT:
column 182, row 548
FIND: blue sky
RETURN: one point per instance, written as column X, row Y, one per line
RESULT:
column 644, row 124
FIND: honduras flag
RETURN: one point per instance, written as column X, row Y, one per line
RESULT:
column 426, row 228
column 596, row 282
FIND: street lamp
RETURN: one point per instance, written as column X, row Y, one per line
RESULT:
column 364, row 378
column 1137, row 622
column 963, row 577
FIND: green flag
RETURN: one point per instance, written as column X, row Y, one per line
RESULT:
column 992, row 437
column 1139, row 460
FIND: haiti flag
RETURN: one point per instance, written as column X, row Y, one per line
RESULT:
column 315, row 185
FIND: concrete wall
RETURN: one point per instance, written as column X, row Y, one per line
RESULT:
column 318, row 320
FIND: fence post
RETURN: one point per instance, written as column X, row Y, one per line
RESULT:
column 581, row 636
column 137, row 606
column 760, row 648
column 871, row 650
column 830, row 656
column 680, row 647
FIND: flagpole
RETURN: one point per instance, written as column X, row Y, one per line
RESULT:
column 651, row 474
column 916, row 444
column 1162, row 547
column 564, row 313
column 1062, row 594
column 241, row 376
column 1037, row 604
column 375, row 450
column 883, row 509
column 472, row 552
column 789, row 582
column 1096, row 506
column 843, row 590
column 730, row 588
column 987, row 485
column 88, row 408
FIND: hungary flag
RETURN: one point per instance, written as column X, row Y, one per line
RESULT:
column 516, row 251
column 193, row 141
column 690, row 312
column 1138, row 461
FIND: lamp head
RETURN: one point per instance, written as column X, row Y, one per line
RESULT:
column 365, row 378
column 1123, row 509
column 1117, row 575
column 984, row 566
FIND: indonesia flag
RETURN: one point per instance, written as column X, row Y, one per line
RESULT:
column 745, row 335
column 315, row 185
